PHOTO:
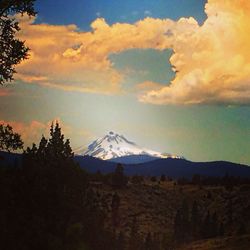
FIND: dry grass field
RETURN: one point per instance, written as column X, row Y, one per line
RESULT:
column 154, row 204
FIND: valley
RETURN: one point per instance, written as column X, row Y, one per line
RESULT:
column 154, row 205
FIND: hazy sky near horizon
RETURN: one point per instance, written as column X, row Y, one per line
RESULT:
column 173, row 76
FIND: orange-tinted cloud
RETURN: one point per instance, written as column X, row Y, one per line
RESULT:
column 5, row 92
column 144, row 87
column 30, row 133
column 33, row 131
column 211, row 61
column 65, row 58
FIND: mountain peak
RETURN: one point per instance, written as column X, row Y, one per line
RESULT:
column 113, row 145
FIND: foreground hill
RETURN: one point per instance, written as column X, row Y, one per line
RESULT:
column 155, row 205
column 225, row 243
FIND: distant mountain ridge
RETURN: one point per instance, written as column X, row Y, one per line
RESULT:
column 175, row 168
column 113, row 146
column 134, row 159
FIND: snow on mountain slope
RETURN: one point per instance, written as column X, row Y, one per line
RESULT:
column 113, row 145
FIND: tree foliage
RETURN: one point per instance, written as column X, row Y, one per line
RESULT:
column 195, row 224
column 54, row 151
column 9, row 140
column 48, row 203
column 119, row 180
column 135, row 242
column 12, row 50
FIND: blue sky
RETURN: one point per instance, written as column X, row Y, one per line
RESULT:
column 204, row 131
column 82, row 12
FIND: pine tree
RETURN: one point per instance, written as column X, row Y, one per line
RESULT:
column 119, row 180
column 52, row 152
column 115, row 204
column 185, row 219
column 57, row 148
column 30, row 156
column 120, row 242
column 229, row 213
column 12, row 50
column 42, row 149
column 9, row 140
column 163, row 178
column 195, row 219
column 134, row 239
column 221, row 229
column 206, row 226
column 148, row 245
column 178, row 231
column 242, row 229
column 214, row 225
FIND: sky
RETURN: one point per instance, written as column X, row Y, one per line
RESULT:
column 173, row 76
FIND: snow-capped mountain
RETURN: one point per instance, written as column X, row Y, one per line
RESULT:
column 113, row 145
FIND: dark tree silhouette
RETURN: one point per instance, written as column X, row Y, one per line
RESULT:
column 178, row 231
column 206, row 226
column 115, row 204
column 120, row 242
column 137, row 179
column 148, row 244
column 229, row 212
column 242, row 229
column 214, row 225
column 163, row 177
column 119, row 180
column 12, row 50
column 195, row 220
column 57, row 148
column 221, row 230
column 185, row 219
column 56, row 151
column 9, row 140
column 153, row 179
column 135, row 241
column 48, row 202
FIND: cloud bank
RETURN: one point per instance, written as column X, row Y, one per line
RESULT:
column 32, row 132
column 211, row 61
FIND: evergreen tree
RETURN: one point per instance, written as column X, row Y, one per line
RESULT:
column 196, row 179
column 214, row 225
column 53, row 152
column 229, row 212
column 12, row 50
column 178, row 229
column 148, row 245
column 119, row 180
column 49, row 204
column 120, row 243
column 221, row 229
column 163, row 178
column 206, row 226
column 134, row 239
column 9, row 140
column 153, row 179
column 242, row 229
column 115, row 204
column 57, row 149
column 156, row 242
column 185, row 219
column 136, row 179
column 195, row 220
